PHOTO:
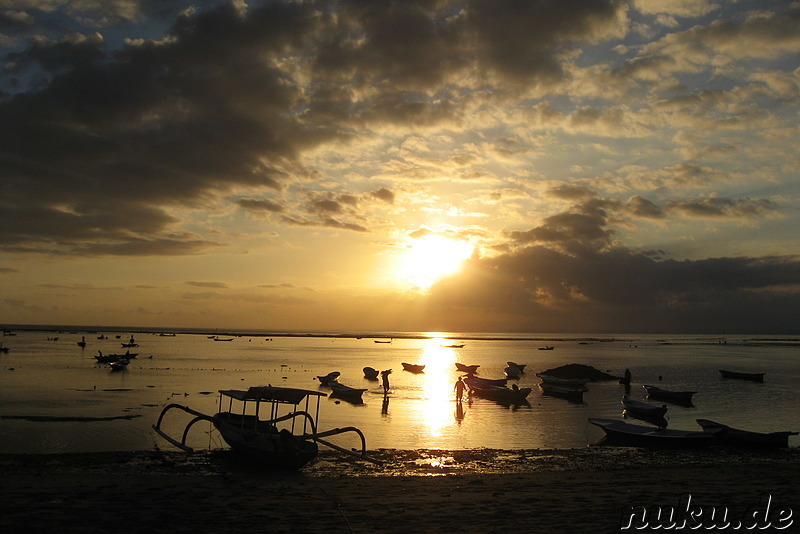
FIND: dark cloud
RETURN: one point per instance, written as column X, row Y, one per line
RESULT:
column 384, row 194
column 623, row 290
column 718, row 208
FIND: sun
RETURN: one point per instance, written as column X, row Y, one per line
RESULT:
column 427, row 259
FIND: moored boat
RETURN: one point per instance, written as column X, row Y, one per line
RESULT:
column 501, row 394
column 512, row 372
column 476, row 381
column 546, row 347
column 752, row 377
column 520, row 366
column 370, row 373
column 558, row 381
column 745, row 438
column 413, row 367
column 469, row 369
column 347, row 393
column 570, row 393
column 326, row 380
column 678, row 397
column 638, row 408
column 622, row 433
column 287, row 441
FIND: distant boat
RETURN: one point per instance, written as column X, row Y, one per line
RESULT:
column 108, row 358
column 454, row 346
column 3, row 349
column 166, row 334
column 546, row 347
column 678, row 397
column 745, row 438
column 222, row 339
column 752, row 377
column 120, row 364
column 382, row 341
column 622, row 433
column 413, row 367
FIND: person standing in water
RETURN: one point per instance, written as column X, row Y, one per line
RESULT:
column 385, row 378
column 459, row 387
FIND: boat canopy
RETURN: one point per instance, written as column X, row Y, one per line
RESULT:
column 271, row 394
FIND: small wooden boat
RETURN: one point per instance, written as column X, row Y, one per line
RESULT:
column 478, row 382
column 745, row 438
column 120, row 364
column 677, row 397
column 546, row 347
column 347, row 393
column 222, row 338
column 502, row 394
column 512, row 372
column 413, row 367
column 643, row 409
column 382, row 341
column 469, row 369
column 570, row 393
column 550, row 379
column 326, row 380
column 370, row 373
column 287, row 441
column 461, row 346
column 752, row 377
column 622, row 433
column 520, row 366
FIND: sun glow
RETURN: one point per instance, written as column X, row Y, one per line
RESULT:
column 430, row 258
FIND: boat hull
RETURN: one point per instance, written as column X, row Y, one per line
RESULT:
column 278, row 450
column 735, row 437
column 626, row 434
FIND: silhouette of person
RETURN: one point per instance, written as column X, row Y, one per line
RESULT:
column 385, row 378
column 459, row 388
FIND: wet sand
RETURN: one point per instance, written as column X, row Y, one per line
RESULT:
column 476, row 491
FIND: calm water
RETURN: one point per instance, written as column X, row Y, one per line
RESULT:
column 58, row 379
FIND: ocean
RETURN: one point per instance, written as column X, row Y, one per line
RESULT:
column 55, row 398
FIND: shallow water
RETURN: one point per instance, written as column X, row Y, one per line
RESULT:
column 58, row 379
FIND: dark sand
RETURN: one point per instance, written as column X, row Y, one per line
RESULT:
column 477, row 491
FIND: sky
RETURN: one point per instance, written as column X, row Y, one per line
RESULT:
column 454, row 166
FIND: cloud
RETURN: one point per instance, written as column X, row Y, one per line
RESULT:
column 217, row 285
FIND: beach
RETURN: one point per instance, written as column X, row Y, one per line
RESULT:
column 586, row 490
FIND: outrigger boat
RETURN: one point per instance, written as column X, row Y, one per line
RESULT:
column 287, row 441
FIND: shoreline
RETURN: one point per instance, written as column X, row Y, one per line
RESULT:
column 483, row 490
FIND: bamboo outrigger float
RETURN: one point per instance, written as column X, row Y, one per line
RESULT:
column 287, row 441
